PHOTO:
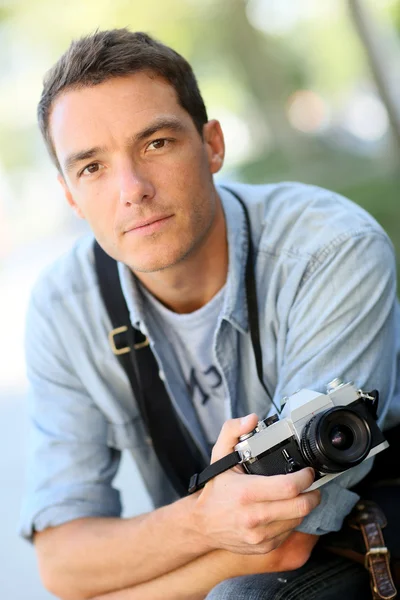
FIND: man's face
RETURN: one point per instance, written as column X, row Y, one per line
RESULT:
column 135, row 167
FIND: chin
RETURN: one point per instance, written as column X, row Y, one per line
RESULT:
column 159, row 256
column 155, row 263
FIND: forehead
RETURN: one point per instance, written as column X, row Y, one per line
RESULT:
column 121, row 106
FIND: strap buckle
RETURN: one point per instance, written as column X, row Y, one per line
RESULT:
column 111, row 336
column 143, row 344
column 377, row 551
column 125, row 349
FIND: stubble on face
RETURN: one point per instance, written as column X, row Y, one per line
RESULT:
column 193, row 245
column 134, row 184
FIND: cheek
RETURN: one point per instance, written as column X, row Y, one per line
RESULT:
column 189, row 166
column 97, row 207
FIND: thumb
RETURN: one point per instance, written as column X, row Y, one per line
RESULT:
column 230, row 433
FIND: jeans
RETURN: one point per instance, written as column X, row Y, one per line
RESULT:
column 323, row 577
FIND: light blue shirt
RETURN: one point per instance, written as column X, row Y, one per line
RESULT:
column 326, row 283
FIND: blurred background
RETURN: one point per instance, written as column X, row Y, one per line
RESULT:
column 306, row 90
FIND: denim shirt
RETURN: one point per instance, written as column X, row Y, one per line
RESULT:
column 326, row 285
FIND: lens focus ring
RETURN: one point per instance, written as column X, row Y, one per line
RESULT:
column 335, row 440
column 308, row 445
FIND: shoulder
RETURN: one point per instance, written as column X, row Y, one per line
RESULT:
column 65, row 312
column 303, row 220
column 69, row 276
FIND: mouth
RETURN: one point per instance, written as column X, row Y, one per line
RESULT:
column 149, row 225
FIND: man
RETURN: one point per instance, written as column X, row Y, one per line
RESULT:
column 128, row 131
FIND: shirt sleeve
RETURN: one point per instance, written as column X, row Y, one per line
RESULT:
column 70, row 467
column 342, row 324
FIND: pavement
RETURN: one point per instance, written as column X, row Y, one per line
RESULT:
column 19, row 578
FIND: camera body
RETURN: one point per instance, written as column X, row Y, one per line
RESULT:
column 330, row 432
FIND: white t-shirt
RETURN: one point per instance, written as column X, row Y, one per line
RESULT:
column 191, row 336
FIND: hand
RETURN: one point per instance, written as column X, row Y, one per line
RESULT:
column 251, row 514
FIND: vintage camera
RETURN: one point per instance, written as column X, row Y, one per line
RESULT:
column 330, row 432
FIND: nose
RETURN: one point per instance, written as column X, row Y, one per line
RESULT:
column 134, row 186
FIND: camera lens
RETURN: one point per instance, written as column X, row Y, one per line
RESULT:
column 341, row 437
column 336, row 440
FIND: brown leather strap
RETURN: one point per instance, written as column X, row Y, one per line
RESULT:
column 369, row 518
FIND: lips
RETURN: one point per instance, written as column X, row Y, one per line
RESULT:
column 146, row 222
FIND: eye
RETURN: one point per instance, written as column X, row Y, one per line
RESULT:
column 91, row 169
column 158, row 144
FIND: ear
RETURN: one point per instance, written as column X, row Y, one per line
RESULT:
column 69, row 197
column 215, row 145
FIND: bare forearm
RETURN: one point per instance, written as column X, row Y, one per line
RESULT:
column 243, row 514
column 194, row 580
column 98, row 555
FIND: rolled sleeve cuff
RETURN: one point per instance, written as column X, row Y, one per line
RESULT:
column 336, row 503
column 44, row 511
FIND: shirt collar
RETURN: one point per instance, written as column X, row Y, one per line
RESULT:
column 234, row 307
column 132, row 296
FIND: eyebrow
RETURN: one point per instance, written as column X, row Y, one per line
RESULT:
column 161, row 123
column 77, row 157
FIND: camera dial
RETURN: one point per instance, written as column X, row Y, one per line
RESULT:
column 260, row 426
column 246, row 436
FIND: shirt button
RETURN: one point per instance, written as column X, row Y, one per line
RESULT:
column 161, row 375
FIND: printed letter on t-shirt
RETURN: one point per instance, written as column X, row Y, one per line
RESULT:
column 194, row 382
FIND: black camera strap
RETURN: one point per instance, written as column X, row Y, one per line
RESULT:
column 199, row 480
column 174, row 447
column 173, row 444
column 252, row 304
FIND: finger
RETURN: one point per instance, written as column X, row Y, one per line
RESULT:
column 262, row 543
column 278, row 528
column 261, row 513
column 230, row 433
column 274, row 542
column 259, row 488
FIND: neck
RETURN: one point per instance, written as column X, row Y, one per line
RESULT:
column 190, row 284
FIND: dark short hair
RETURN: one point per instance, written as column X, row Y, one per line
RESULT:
column 114, row 53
